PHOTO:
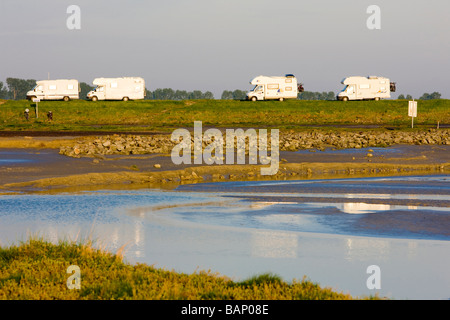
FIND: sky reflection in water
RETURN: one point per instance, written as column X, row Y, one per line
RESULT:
column 229, row 232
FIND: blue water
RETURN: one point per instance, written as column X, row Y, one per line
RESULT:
column 18, row 157
column 12, row 161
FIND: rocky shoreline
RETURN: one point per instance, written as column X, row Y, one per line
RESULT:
column 288, row 141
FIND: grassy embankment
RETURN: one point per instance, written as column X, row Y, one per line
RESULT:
column 151, row 115
column 37, row 269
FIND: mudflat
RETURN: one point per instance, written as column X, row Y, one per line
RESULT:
column 36, row 164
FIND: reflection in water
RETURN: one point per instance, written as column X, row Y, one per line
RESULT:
column 367, row 195
column 273, row 244
column 412, row 249
column 361, row 208
column 332, row 242
column 139, row 237
column 115, row 238
column 265, row 204
column 366, row 248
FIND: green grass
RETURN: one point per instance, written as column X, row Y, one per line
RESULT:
column 36, row 269
column 165, row 115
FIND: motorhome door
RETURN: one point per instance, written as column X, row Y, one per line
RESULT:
column 351, row 90
column 259, row 92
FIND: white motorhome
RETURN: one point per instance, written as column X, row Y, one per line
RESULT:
column 366, row 88
column 274, row 88
column 126, row 88
column 61, row 89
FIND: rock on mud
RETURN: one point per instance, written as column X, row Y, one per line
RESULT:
column 289, row 141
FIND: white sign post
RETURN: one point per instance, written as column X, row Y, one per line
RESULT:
column 412, row 111
column 35, row 100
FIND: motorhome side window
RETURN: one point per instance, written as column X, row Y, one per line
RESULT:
column 364, row 86
column 272, row 86
column 257, row 88
column 113, row 84
column 52, row 87
column 70, row 87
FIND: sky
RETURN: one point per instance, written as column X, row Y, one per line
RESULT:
column 216, row 45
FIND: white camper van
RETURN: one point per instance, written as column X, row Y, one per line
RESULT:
column 55, row 90
column 276, row 88
column 127, row 88
column 366, row 88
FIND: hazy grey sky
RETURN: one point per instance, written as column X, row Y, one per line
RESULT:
column 220, row 45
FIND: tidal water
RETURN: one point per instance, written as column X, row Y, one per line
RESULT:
column 11, row 158
column 330, row 231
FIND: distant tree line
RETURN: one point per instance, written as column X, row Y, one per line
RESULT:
column 85, row 88
column 3, row 91
column 430, row 96
column 170, row 94
column 425, row 96
column 233, row 95
column 16, row 89
column 310, row 95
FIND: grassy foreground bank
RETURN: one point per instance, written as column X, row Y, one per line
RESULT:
column 148, row 115
column 37, row 269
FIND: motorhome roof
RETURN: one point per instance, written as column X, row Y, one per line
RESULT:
column 57, row 80
column 261, row 79
column 358, row 79
column 107, row 80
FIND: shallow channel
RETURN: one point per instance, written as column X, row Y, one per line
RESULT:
column 330, row 231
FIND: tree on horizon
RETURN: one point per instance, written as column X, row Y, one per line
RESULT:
column 18, row 88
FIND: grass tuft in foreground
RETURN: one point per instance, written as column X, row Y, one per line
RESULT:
column 37, row 269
